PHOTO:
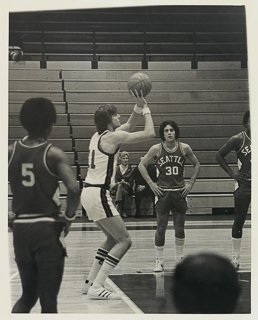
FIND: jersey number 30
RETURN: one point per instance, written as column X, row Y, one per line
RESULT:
column 28, row 174
column 171, row 171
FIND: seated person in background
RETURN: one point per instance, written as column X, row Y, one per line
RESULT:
column 142, row 189
column 124, row 183
column 205, row 283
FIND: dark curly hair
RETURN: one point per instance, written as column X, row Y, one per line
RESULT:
column 36, row 115
column 103, row 116
column 173, row 124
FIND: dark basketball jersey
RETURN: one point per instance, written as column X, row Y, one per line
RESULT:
column 170, row 167
column 35, row 189
column 244, row 156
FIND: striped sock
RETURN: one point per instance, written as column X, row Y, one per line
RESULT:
column 97, row 263
column 108, row 266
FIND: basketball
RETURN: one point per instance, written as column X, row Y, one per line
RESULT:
column 140, row 81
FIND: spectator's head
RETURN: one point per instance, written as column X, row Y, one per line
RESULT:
column 173, row 124
column 124, row 157
column 205, row 283
column 37, row 116
column 103, row 117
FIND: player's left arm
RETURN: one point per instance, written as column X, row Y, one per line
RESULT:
column 196, row 165
column 58, row 164
column 131, row 123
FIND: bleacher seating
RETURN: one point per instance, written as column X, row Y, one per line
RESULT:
column 141, row 33
column 196, row 57
column 207, row 104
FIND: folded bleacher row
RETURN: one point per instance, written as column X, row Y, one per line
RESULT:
column 208, row 104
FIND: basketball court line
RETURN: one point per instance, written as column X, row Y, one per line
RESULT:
column 170, row 223
column 124, row 297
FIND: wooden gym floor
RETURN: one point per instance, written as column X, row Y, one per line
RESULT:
column 143, row 292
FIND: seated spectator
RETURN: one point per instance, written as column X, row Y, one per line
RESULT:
column 124, row 183
column 142, row 189
column 205, row 283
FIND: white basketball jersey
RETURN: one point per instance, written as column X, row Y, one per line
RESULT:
column 102, row 166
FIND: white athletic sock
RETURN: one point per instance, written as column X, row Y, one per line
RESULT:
column 97, row 264
column 236, row 246
column 159, row 252
column 179, row 244
column 107, row 267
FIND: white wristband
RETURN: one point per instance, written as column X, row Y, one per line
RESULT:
column 146, row 110
column 137, row 109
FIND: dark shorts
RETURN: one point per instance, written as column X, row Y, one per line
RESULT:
column 39, row 241
column 171, row 200
column 243, row 192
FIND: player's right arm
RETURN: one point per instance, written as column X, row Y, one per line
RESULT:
column 234, row 143
column 143, row 165
column 58, row 163
column 111, row 141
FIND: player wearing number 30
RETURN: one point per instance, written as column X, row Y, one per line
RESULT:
column 95, row 197
column 170, row 156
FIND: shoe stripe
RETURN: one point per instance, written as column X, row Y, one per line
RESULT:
column 101, row 293
column 104, row 294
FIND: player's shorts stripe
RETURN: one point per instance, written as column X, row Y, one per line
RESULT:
column 33, row 220
column 104, row 202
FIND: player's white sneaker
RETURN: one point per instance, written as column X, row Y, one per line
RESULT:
column 98, row 292
column 235, row 261
column 179, row 260
column 87, row 285
column 159, row 267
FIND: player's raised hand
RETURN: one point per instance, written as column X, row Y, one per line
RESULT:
column 140, row 100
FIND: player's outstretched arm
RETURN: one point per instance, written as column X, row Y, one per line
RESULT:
column 59, row 164
column 110, row 142
column 129, row 126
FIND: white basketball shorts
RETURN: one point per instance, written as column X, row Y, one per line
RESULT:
column 98, row 203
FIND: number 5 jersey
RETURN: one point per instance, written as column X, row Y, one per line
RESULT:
column 34, row 187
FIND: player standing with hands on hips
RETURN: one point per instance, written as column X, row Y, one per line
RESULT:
column 241, row 144
column 95, row 197
column 35, row 168
column 170, row 156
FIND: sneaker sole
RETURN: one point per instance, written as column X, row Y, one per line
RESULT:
column 104, row 295
column 106, row 287
column 96, row 297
